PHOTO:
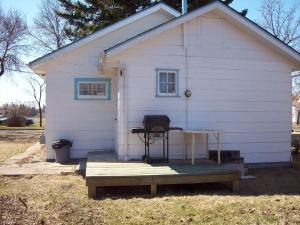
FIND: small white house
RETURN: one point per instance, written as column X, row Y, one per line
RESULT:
column 101, row 86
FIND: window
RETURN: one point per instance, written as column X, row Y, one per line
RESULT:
column 92, row 88
column 167, row 82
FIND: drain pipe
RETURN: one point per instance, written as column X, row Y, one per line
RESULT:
column 184, row 6
column 121, row 73
column 186, row 88
column 185, row 47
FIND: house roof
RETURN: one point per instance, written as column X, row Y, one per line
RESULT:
column 78, row 43
column 228, row 12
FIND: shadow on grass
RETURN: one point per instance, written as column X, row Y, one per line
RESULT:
column 273, row 181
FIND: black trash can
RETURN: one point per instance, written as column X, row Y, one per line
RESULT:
column 62, row 150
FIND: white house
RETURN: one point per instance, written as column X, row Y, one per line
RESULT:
column 101, row 86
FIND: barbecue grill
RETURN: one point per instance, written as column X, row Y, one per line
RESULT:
column 156, row 127
column 156, row 123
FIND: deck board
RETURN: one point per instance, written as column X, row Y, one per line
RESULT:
column 127, row 174
column 141, row 169
column 103, row 173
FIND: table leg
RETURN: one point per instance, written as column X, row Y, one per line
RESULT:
column 193, row 149
column 185, row 153
column 207, row 146
column 219, row 148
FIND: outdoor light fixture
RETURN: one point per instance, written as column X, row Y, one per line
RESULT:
column 188, row 93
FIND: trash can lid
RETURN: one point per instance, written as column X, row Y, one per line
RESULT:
column 57, row 144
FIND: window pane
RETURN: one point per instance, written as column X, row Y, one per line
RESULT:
column 90, row 89
column 83, row 85
column 103, row 88
column 163, row 77
column 83, row 88
column 163, row 88
column 171, row 77
column 171, row 88
column 167, row 83
column 100, row 89
column 94, row 92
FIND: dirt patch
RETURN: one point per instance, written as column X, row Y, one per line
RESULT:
column 14, row 210
column 27, row 159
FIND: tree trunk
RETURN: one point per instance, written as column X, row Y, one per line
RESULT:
column 41, row 116
column 1, row 67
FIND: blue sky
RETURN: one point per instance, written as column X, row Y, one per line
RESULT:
column 14, row 89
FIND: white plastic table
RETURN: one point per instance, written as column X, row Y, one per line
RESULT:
column 215, row 133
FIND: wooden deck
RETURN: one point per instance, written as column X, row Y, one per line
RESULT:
column 101, row 174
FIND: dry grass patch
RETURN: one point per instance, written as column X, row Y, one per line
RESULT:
column 16, row 142
column 7, row 150
column 272, row 198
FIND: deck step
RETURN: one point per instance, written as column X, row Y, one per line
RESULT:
column 227, row 156
column 238, row 166
column 248, row 177
column 102, row 156
column 81, row 167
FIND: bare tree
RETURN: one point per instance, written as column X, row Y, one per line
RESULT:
column 296, row 105
column 281, row 21
column 48, row 31
column 13, row 31
column 37, row 89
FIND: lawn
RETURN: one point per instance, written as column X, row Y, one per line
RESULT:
column 272, row 198
column 33, row 126
column 16, row 142
column 7, row 150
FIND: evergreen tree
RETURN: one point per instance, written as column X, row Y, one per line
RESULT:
column 194, row 4
column 87, row 16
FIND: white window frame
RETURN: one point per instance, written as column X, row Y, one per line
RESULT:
column 105, row 81
column 160, row 94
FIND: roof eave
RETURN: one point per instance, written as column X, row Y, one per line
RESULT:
column 98, row 34
column 292, row 54
column 265, row 35
column 152, row 32
column 169, row 9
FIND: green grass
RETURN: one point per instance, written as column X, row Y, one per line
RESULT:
column 272, row 198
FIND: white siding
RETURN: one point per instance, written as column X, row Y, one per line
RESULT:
column 89, row 124
column 238, row 84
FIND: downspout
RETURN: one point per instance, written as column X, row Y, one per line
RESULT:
column 186, row 75
column 126, row 102
column 184, row 6
column 121, row 72
column 185, row 48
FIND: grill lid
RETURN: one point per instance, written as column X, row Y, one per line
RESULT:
column 156, row 123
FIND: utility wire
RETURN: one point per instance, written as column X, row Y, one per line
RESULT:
column 21, row 71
